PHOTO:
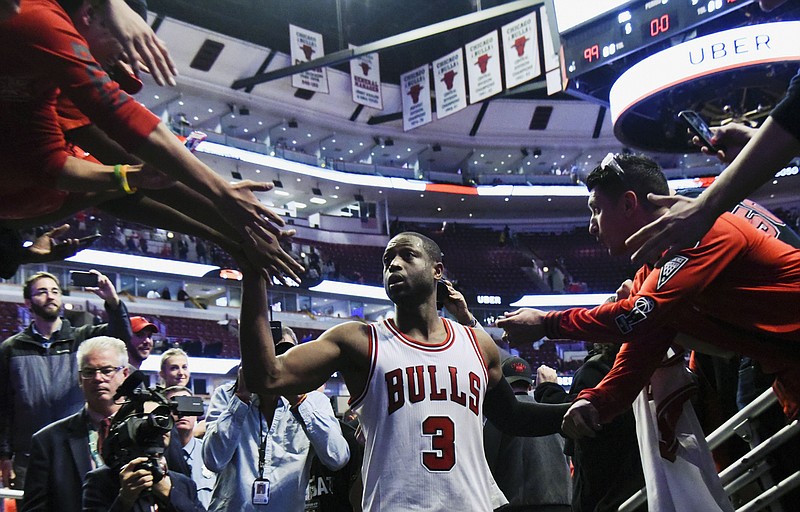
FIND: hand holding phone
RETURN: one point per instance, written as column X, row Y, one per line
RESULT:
column 83, row 279
column 699, row 127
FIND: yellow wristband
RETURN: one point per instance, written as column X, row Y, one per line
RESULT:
column 121, row 174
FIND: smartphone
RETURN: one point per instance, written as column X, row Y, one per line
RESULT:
column 83, row 279
column 88, row 240
column 442, row 292
column 277, row 330
column 699, row 127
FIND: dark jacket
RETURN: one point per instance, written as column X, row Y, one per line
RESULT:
column 531, row 471
column 48, row 374
column 608, row 469
column 101, row 493
column 59, row 462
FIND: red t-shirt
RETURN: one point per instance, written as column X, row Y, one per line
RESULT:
column 738, row 290
column 41, row 54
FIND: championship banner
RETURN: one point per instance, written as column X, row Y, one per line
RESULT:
column 448, row 78
column 415, row 89
column 520, row 51
column 365, row 79
column 306, row 46
column 483, row 61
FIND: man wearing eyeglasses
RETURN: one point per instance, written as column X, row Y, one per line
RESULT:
column 736, row 291
column 38, row 369
column 63, row 452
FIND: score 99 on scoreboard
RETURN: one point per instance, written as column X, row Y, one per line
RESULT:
column 626, row 30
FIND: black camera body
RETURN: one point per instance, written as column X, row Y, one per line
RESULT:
column 136, row 433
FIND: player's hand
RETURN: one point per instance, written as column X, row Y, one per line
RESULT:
column 271, row 259
column 456, row 304
column 733, row 137
column 682, row 226
column 546, row 374
column 142, row 48
column 524, row 325
column 581, row 420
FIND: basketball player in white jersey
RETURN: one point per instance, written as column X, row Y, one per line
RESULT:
column 418, row 382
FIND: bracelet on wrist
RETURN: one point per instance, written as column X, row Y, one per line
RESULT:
column 121, row 176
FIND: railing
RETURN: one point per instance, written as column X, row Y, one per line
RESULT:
column 751, row 465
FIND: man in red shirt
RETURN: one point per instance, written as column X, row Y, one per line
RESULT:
column 736, row 291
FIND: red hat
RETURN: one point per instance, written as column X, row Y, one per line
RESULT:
column 138, row 323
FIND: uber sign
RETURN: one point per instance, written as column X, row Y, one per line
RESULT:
column 489, row 299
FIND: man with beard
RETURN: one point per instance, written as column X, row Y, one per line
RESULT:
column 141, row 344
column 38, row 368
column 63, row 452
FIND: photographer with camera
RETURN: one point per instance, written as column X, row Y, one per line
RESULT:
column 135, row 476
column 262, row 446
column 63, row 452
column 38, row 368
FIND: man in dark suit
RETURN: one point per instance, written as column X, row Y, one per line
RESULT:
column 63, row 452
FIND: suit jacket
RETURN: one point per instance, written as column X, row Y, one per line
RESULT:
column 59, row 462
column 101, row 492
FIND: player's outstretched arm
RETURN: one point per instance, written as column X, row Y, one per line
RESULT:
column 502, row 408
column 302, row 368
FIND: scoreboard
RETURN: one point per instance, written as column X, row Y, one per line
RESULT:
column 629, row 28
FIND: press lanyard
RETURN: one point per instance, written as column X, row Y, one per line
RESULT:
column 262, row 450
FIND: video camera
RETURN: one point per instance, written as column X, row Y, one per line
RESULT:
column 136, row 433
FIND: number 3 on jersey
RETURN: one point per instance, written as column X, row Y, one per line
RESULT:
column 443, row 441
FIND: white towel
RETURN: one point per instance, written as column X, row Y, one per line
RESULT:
column 677, row 464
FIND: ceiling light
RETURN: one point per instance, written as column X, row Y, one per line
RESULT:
column 318, row 200
column 482, row 155
column 294, row 142
column 211, row 111
column 299, row 205
column 196, row 118
column 246, row 130
column 337, row 187
column 333, row 140
column 281, row 193
column 308, row 135
column 506, row 199
column 350, row 151
column 334, row 196
column 157, row 97
column 439, row 209
column 299, row 180
column 261, row 123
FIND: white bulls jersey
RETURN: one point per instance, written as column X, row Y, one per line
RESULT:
column 421, row 413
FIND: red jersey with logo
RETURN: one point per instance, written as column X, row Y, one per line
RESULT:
column 421, row 413
column 737, row 290
column 41, row 54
